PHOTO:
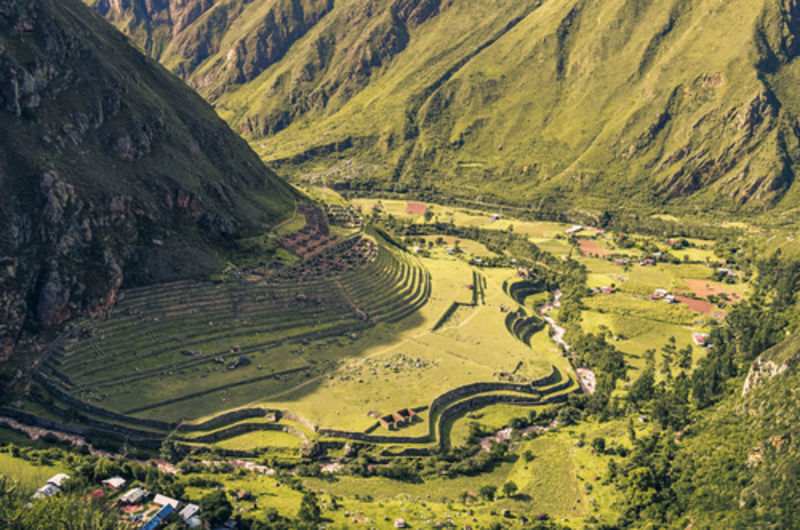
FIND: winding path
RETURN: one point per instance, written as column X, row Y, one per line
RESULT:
column 558, row 331
column 586, row 377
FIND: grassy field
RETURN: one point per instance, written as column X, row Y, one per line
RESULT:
column 29, row 476
column 384, row 372
column 173, row 347
column 177, row 349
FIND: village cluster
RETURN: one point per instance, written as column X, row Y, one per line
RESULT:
column 139, row 506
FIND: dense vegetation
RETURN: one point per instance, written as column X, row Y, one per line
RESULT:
column 700, row 463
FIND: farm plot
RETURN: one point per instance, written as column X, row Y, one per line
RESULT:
column 589, row 247
column 703, row 288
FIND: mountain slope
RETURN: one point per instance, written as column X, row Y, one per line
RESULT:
column 113, row 170
column 738, row 467
column 682, row 101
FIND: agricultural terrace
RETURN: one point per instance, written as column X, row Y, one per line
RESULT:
column 381, row 338
column 190, row 348
column 357, row 340
column 623, row 271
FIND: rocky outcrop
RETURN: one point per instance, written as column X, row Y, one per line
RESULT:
column 101, row 157
column 764, row 370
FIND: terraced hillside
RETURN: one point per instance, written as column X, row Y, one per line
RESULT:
column 249, row 363
column 189, row 342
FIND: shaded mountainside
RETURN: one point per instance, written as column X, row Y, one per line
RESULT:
column 681, row 101
column 113, row 170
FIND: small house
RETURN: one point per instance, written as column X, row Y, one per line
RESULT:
column 48, row 490
column 163, row 500
column 189, row 511
column 450, row 251
column 58, row 480
column 386, row 421
column 399, row 523
column 159, row 518
column 607, row 290
column 621, row 262
column 114, row 483
column 243, row 495
column 574, row 229
column 659, row 294
column 670, row 299
column 134, row 496
column 701, row 339
column 647, row 262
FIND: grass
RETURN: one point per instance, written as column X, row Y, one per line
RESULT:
column 341, row 378
column 28, row 476
column 261, row 440
column 454, row 356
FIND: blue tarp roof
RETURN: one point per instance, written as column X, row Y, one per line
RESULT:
column 158, row 518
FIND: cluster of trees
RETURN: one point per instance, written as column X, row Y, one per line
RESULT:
column 659, row 478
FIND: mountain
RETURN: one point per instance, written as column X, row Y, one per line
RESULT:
column 113, row 171
column 533, row 102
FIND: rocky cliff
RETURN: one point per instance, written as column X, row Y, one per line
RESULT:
column 113, row 171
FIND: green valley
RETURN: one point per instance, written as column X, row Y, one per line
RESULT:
column 305, row 264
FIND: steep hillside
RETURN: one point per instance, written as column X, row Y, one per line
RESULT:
column 739, row 465
column 113, row 171
column 681, row 101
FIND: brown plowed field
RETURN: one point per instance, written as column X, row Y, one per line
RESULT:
column 416, row 208
column 703, row 288
column 590, row 247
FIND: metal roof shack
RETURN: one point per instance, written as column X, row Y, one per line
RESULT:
column 189, row 511
column 114, row 483
column 134, row 496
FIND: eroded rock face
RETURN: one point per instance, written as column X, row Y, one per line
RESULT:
column 99, row 161
column 764, row 370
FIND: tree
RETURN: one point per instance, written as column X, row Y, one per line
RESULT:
column 310, row 513
column 599, row 444
column 685, row 358
column 171, row 451
column 510, row 488
column 487, row 492
column 642, row 390
column 528, row 455
column 216, row 508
